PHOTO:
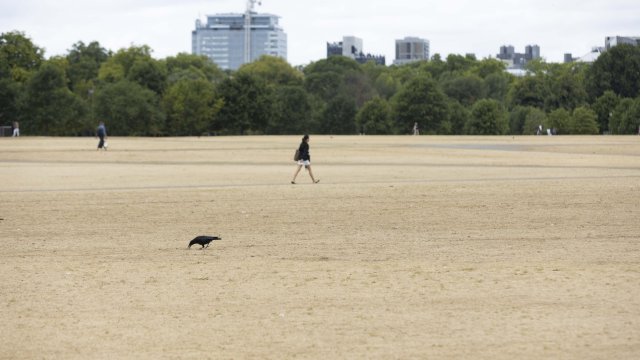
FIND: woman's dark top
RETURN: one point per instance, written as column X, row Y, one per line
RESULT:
column 304, row 151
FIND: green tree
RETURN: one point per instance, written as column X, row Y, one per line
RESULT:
column 18, row 56
column 374, row 118
column 50, row 108
column 190, row 107
column 467, row 89
column 192, row 67
column 84, row 63
column 292, row 111
column 487, row 118
column 421, row 101
column 565, row 87
column 584, row 121
column 339, row 116
column 533, row 120
column 618, row 70
column 625, row 118
column 386, row 85
column 487, row 67
column 458, row 117
column 149, row 73
column 560, row 119
column 517, row 118
column 247, row 105
column 496, row 86
column 9, row 95
column 604, row 107
column 129, row 109
column 273, row 71
column 118, row 66
column 527, row 91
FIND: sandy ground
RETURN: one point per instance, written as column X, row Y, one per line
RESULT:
column 409, row 247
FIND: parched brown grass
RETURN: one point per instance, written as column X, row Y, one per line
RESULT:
column 409, row 247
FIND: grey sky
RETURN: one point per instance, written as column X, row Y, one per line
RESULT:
column 453, row 26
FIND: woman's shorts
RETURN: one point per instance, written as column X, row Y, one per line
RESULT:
column 304, row 162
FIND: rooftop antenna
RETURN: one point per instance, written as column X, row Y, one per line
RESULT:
column 247, row 29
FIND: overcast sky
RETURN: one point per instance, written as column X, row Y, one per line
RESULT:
column 452, row 26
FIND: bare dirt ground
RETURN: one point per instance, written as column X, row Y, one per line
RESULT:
column 409, row 247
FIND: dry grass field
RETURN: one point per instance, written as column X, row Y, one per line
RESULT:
column 409, row 247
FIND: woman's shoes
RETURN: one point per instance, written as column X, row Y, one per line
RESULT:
column 317, row 181
column 293, row 182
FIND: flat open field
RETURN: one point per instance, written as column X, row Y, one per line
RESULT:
column 409, row 247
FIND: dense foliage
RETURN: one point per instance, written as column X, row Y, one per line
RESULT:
column 182, row 95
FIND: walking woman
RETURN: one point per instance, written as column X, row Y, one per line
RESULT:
column 305, row 159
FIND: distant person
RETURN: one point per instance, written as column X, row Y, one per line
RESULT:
column 416, row 131
column 305, row 159
column 101, row 132
column 16, row 129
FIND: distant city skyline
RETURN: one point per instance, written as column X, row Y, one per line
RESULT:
column 454, row 27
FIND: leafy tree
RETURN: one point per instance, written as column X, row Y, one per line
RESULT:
column 625, row 118
column 386, row 85
column 129, row 109
column 584, row 121
column 517, row 118
column 421, row 101
column 560, row 119
column 18, row 56
column 458, row 117
column 459, row 63
column 323, row 85
column 532, row 121
column 527, row 91
column 496, row 86
column 618, row 70
column 487, row 118
column 604, row 107
column 336, row 64
column 374, row 118
column 487, row 67
column 339, row 116
column 50, row 108
column 247, row 105
column 84, row 63
column 292, row 111
column 192, row 67
column 149, row 73
column 273, row 71
column 9, row 95
column 467, row 89
column 117, row 67
column 190, row 107
column 565, row 88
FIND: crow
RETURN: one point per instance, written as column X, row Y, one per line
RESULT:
column 203, row 240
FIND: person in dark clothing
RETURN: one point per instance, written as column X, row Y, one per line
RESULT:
column 305, row 159
column 101, row 132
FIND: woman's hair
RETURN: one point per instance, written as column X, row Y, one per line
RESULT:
column 305, row 137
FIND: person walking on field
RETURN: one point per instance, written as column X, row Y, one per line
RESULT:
column 101, row 132
column 16, row 129
column 305, row 159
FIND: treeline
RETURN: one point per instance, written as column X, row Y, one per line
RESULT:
column 137, row 95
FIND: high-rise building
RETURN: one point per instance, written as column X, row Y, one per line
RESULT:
column 611, row 41
column 506, row 52
column 351, row 47
column 411, row 49
column 516, row 60
column 222, row 39
column 531, row 52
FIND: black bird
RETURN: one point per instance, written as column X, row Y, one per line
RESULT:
column 203, row 240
